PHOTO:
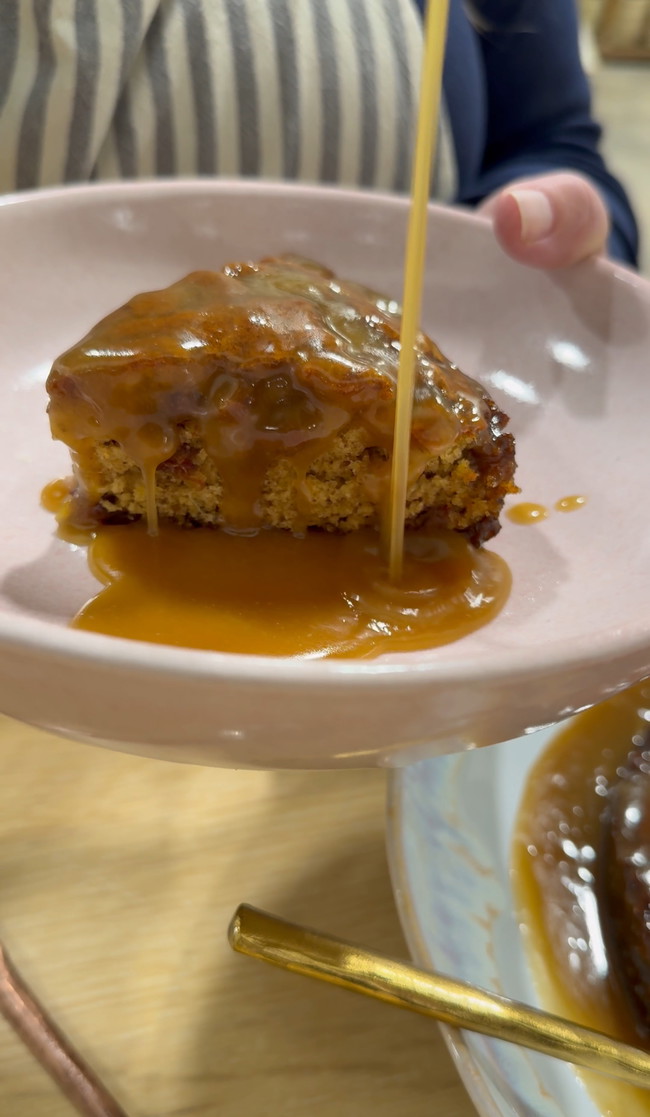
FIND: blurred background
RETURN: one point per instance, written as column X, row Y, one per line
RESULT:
column 616, row 54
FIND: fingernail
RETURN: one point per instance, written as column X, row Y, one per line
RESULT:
column 535, row 212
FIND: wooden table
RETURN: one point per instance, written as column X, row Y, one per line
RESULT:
column 118, row 877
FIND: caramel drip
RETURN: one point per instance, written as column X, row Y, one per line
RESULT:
column 262, row 362
column 56, row 495
column 570, row 503
column 243, row 439
column 149, row 478
column 75, row 523
column 527, row 513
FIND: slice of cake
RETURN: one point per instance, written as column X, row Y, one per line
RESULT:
column 263, row 396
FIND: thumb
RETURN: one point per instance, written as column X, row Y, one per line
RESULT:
column 549, row 222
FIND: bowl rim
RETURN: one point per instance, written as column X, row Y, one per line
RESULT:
column 31, row 633
column 469, row 1071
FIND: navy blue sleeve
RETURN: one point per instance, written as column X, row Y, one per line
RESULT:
column 537, row 114
column 539, row 108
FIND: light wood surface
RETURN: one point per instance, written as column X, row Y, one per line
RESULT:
column 118, row 877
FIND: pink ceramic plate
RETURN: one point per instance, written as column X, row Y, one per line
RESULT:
column 566, row 355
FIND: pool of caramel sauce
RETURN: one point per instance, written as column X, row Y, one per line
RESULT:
column 562, row 871
column 272, row 593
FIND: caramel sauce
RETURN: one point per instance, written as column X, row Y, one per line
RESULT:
column 570, row 503
column 527, row 513
column 208, row 388
column 581, row 863
column 261, row 361
column 272, row 593
column 435, row 37
column 56, row 497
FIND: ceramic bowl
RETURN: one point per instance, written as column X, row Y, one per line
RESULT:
column 566, row 355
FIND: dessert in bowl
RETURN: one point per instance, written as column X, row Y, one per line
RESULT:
column 564, row 356
column 231, row 439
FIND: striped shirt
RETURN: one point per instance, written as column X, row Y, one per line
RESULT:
column 299, row 89
column 316, row 90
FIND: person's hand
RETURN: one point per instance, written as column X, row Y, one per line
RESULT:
column 551, row 221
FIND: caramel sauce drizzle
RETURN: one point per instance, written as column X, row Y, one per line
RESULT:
column 435, row 37
column 257, row 375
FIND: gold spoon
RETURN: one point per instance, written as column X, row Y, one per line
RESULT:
column 342, row 963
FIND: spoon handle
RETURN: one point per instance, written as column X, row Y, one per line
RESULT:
column 312, row 954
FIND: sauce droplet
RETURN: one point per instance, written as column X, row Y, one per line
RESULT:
column 570, row 503
column 57, row 495
column 527, row 513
